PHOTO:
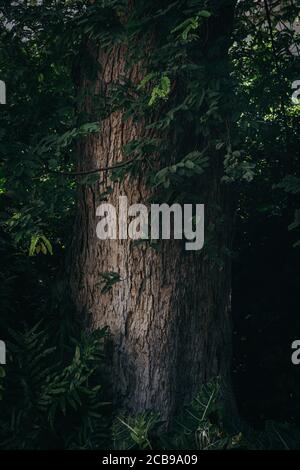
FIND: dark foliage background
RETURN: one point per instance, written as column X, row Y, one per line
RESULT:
column 54, row 382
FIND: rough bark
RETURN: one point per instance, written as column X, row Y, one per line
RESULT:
column 169, row 316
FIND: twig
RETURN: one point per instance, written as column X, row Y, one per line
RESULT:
column 268, row 14
column 90, row 172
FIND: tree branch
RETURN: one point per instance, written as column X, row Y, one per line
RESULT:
column 90, row 172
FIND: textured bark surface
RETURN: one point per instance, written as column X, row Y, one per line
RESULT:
column 169, row 315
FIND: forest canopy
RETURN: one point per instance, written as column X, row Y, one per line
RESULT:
column 120, row 344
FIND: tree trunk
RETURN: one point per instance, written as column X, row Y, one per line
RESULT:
column 169, row 315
